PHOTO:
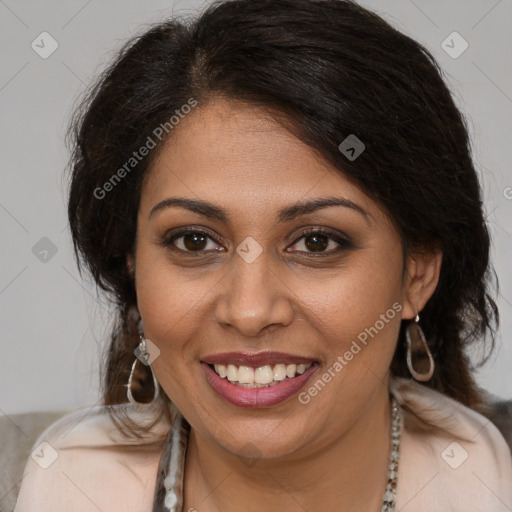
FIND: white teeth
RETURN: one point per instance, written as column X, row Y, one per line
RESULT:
column 290, row 370
column 231, row 373
column 245, row 375
column 301, row 368
column 221, row 370
column 279, row 372
column 264, row 376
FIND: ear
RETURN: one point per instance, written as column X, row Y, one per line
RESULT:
column 130, row 264
column 423, row 270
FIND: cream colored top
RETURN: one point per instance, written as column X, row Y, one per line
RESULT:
column 451, row 459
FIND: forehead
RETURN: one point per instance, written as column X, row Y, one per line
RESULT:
column 239, row 157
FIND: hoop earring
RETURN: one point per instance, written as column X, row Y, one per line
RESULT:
column 423, row 367
column 141, row 354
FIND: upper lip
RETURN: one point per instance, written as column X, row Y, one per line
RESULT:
column 256, row 360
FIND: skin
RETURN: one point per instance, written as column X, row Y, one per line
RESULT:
column 333, row 450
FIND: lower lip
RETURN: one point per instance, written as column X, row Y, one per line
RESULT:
column 257, row 397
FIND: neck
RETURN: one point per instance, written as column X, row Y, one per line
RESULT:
column 347, row 474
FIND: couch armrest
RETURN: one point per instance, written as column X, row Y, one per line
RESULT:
column 499, row 411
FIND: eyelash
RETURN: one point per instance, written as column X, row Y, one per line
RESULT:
column 344, row 243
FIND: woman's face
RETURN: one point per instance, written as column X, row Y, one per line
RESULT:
column 249, row 282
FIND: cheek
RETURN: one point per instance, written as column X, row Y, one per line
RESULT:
column 351, row 300
column 169, row 301
column 356, row 315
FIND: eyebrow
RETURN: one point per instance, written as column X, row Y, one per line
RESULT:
column 288, row 213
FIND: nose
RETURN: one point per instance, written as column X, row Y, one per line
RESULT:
column 253, row 298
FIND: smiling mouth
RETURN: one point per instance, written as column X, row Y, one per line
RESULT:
column 260, row 377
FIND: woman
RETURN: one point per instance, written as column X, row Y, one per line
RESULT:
column 281, row 200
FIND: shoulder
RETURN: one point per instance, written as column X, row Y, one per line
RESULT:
column 452, row 457
column 83, row 462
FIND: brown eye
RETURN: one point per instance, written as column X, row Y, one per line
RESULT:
column 316, row 242
column 191, row 241
column 320, row 241
column 195, row 241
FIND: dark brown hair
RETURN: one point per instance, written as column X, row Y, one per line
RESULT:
column 330, row 68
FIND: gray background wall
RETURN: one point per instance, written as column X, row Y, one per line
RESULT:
column 52, row 325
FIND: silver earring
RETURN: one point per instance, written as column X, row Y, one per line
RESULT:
column 419, row 359
column 141, row 354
